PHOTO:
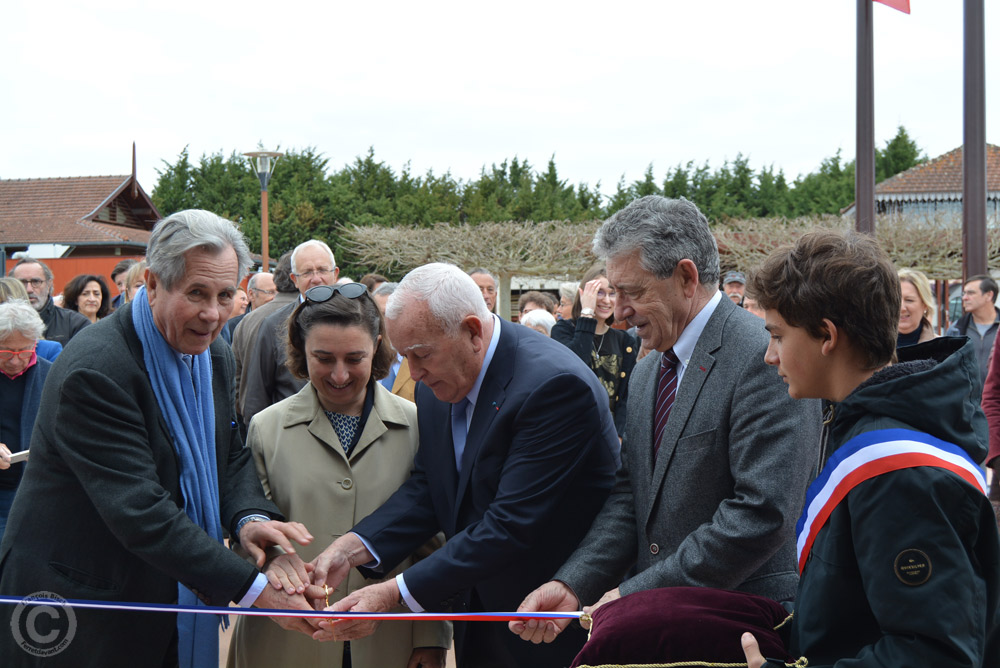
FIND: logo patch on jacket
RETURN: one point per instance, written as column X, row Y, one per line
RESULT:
column 912, row 567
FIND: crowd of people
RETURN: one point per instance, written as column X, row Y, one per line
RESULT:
column 311, row 442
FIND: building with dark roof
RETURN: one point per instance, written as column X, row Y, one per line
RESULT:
column 92, row 221
column 933, row 189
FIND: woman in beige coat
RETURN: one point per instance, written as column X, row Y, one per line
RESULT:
column 328, row 456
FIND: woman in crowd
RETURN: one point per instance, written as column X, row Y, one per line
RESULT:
column 567, row 293
column 11, row 289
column 328, row 456
column 539, row 320
column 240, row 302
column 134, row 279
column 611, row 353
column 88, row 294
column 917, row 310
column 22, row 375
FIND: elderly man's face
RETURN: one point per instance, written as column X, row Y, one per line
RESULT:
column 658, row 307
column 734, row 290
column 192, row 314
column 488, row 288
column 33, row 277
column 313, row 267
column 448, row 365
column 263, row 290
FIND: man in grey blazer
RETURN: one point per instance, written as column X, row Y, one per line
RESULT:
column 713, row 502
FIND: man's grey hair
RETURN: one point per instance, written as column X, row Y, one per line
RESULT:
column 19, row 316
column 450, row 293
column 664, row 231
column 387, row 288
column 481, row 270
column 184, row 231
column 30, row 260
column 313, row 242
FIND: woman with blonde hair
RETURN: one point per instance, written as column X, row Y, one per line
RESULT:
column 134, row 279
column 917, row 310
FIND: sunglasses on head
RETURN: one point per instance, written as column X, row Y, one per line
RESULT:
column 323, row 293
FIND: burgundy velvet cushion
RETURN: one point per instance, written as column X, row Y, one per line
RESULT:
column 683, row 624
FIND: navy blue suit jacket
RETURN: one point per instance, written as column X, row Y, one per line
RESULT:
column 539, row 461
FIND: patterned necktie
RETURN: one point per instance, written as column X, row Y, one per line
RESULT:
column 665, row 392
column 459, row 430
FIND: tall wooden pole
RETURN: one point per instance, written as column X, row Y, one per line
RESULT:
column 864, row 162
column 265, row 260
column 974, row 144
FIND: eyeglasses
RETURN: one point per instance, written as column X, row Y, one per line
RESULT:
column 264, row 292
column 316, row 272
column 324, row 293
column 33, row 282
column 23, row 355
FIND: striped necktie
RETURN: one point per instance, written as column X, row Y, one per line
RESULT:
column 666, row 391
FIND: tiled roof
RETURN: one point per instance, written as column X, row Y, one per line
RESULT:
column 938, row 179
column 61, row 210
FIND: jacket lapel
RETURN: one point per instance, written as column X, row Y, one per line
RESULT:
column 304, row 408
column 488, row 403
column 696, row 373
column 384, row 412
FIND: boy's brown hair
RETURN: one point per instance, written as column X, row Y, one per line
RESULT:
column 845, row 277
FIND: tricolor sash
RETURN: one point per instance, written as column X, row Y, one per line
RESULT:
column 868, row 455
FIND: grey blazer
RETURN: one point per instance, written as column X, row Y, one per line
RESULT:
column 719, row 505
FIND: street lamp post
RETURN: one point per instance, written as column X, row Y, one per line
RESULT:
column 263, row 163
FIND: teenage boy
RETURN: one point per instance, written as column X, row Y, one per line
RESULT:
column 898, row 550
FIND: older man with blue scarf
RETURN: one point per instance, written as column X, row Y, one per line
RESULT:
column 137, row 468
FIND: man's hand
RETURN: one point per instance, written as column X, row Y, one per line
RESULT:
column 255, row 537
column 4, row 457
column 278, row 599
column 428, row 657
column 381, row 597
column 609, row 596
column 553, row 596
column 333, row 563
column 289, row 572
column 751, row 651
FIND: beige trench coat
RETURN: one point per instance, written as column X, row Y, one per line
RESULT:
column 305, row 471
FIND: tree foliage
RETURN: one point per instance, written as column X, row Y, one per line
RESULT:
column 308, row 199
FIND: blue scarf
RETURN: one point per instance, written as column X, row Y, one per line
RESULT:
column 184, row 395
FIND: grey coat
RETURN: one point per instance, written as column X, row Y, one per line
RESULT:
column 719, row 505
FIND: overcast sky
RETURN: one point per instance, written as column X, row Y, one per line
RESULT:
column 608, row 88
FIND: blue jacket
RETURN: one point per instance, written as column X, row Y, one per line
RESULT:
column 35, row 377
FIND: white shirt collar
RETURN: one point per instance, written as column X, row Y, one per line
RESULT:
column 473, row 394
column 688, row 339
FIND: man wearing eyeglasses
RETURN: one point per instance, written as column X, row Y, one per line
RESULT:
column 60, row 324
column 268, row 379
column 137, row 470
column 260, row 290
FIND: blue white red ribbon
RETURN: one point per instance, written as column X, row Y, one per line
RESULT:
column 266, row 612
column 869, row 455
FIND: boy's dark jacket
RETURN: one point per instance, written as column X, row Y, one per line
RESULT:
column 850, row 603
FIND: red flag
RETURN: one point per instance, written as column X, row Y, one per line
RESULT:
column 901, row 5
